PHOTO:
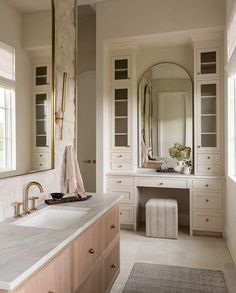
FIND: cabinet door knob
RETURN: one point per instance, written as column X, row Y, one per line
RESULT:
column 199, row 146
column 207, row 200
column 206, row 185
column 119, row 181
column 113, row 266
column 208, row 157
column 120, row 213
column 113, row 226
column 91, row 251
column 120, row 166
column 161, row 183
column 208, row 168
column 207, row 220
column 120, row 156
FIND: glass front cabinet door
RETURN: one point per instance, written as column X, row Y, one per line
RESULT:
column 208, row 120
column 121, row 109
column 121, row 69
column 208, row 63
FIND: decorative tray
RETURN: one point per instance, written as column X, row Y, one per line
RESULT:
column 66, row 199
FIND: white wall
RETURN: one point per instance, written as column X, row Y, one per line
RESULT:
column 230, row 231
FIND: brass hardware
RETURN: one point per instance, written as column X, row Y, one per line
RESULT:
column 198, row 73
column 120, row 156
column 119, row 166
column 207, row 200
column 119, row 181
column 113, row 226
column 207, row 220
column 33, row 209
column 206, row 185
column 208, row 168
column 113, row 266
column 94, row 161
column 87, row 161
column 208, row 158
column 17, row 206
column 199, row 146
column 161, row 183
column 26, row 195
column 91, row 251
column 120, row 213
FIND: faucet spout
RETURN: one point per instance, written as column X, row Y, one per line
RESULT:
column 26, row 195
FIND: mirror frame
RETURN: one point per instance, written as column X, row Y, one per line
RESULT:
column 53, row 105
column 140, row 112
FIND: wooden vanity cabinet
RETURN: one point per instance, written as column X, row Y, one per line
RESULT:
column 90, row 263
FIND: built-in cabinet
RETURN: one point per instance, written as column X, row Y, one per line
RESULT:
column 42, row 116
column 90, row 263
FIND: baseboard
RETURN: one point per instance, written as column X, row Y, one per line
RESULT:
column 230, row 247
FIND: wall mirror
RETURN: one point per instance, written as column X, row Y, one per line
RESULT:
column 26, row 86
column 165, row 113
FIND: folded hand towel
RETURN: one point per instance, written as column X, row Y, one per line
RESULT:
column 73, row 179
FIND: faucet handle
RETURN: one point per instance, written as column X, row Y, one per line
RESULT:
column 34, row 198
column 17, row 206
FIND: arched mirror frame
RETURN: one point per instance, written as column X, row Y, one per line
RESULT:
column 156, row 164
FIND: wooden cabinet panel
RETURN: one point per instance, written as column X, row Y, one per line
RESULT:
column 94, row 284
column 86, row 252
column 110, row 226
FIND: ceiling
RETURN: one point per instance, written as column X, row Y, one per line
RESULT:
column 28, row 6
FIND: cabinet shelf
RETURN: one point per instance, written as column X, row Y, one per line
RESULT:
column 121, row 133
column 121, row 117
column 208, row 63
column 208, row 133
column 206, row 97
column 208, row 115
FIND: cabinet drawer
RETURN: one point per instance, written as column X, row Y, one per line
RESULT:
column 40, row 156
column 205, row 158
column 121, row 166
column 208, row 184
column 208, row 200
column 111, row 266
column 157, row 182
column 40, row 164
column 207, row 220
column 110, row 226
column 208, row 169
column 126, row 214
column 118, row 181
column 93, row 284
column 126, row 192
column 87, row 250
column 121, row 156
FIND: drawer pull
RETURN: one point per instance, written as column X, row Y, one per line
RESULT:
column 120, row 213
column 120, row 166
column 119, row 181
column 207, row 220
column 50, row 292
column 40, row 155
column 208, row 157
column 113, row 266
column 208, row 168
column 207, row 200
column 161, row 183
column 113, row 226
column 120, row 156
column 206, row 185
column 199, row 146
column 91, row 251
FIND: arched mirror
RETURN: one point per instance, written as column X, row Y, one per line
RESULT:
column 26, row 86
column 165, row 113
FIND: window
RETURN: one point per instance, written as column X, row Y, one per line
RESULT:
column 7, row 108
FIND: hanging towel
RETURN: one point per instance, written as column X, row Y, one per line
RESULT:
column 73, row 179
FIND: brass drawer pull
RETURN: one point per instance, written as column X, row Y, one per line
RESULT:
column 207, row 220
column 208, row 168
column 113, row 266
column 120, row 213
column 120, row 156
column 91, row 251
column 206, row 185
column 208, row 158
column 113, row 226
column 161, row 183
column 119, row 181
column 120, row 166
column 207, row 200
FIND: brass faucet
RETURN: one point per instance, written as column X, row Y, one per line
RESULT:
column 26, row 196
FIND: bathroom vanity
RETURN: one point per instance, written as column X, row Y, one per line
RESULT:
column 84, row 257
column 155, row 107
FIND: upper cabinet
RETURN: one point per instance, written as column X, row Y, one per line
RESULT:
column 41, row 76
column 121, row 69
column 208, row 63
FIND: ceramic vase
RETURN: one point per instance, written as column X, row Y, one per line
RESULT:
column 179, row 166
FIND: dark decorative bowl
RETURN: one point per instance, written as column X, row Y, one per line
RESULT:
column 57, row 195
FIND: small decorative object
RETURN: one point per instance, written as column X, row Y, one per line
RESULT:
column 187, row 168
column 164, row 166
column 57, row 195
column 181, row 154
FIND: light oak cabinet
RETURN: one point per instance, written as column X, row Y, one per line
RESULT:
column 90, row 263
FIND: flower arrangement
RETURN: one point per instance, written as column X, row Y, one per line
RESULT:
column 180, row 152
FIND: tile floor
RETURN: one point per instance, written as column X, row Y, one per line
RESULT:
column 195, row 252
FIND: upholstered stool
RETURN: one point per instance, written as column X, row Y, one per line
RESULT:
column 162, row 218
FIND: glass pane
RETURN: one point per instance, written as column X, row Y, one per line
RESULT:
column 121, row 125
column 41, row 127
column 208, row 62
column 41, row 112
column 41, row 141
column 41, row 98
column 208, row 140
column 2, row 97
column 208, row 123
column 121, row 94
column 42, row 70
column 7, row 61
column 121, row 140
column 41, row 80
column 121, row 108
column 2, row 139
column 208, row 90
column 208, row 106
column 121, row 64
column 121, row 74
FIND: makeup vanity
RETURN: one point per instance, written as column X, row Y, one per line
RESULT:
column 166, row 105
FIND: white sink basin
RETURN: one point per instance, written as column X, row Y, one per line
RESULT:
column 53, row 218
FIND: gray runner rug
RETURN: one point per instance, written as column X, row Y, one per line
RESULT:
column 154, row 278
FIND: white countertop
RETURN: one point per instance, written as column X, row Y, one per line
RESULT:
column 24, row 249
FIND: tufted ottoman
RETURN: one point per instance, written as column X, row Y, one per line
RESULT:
column 162, row 218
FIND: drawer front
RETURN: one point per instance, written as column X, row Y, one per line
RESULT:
column 127, row 193
column 110, row 226
column 40, row 156
column 126, row 215
column 157, row 182
column 207, row 220
column 208, row 158
column 207, row 200
column 93, row 284
column 208, row 169
column 121, row 166
column 208, row 184
column 87, row 250
column 111, row 266
column 40, row 164
column 119, row 181
column 121, row 157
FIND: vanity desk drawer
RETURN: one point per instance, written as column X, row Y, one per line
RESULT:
column 207, row 220
column 121, row 156
column 208, row 158
column 208, row 184
column 120, row 166
column 126, row 191
column 208, row 169
column 121, row 180
column 207, row 200
column 163, row 183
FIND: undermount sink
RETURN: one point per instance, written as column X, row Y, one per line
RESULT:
column 57, row 218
